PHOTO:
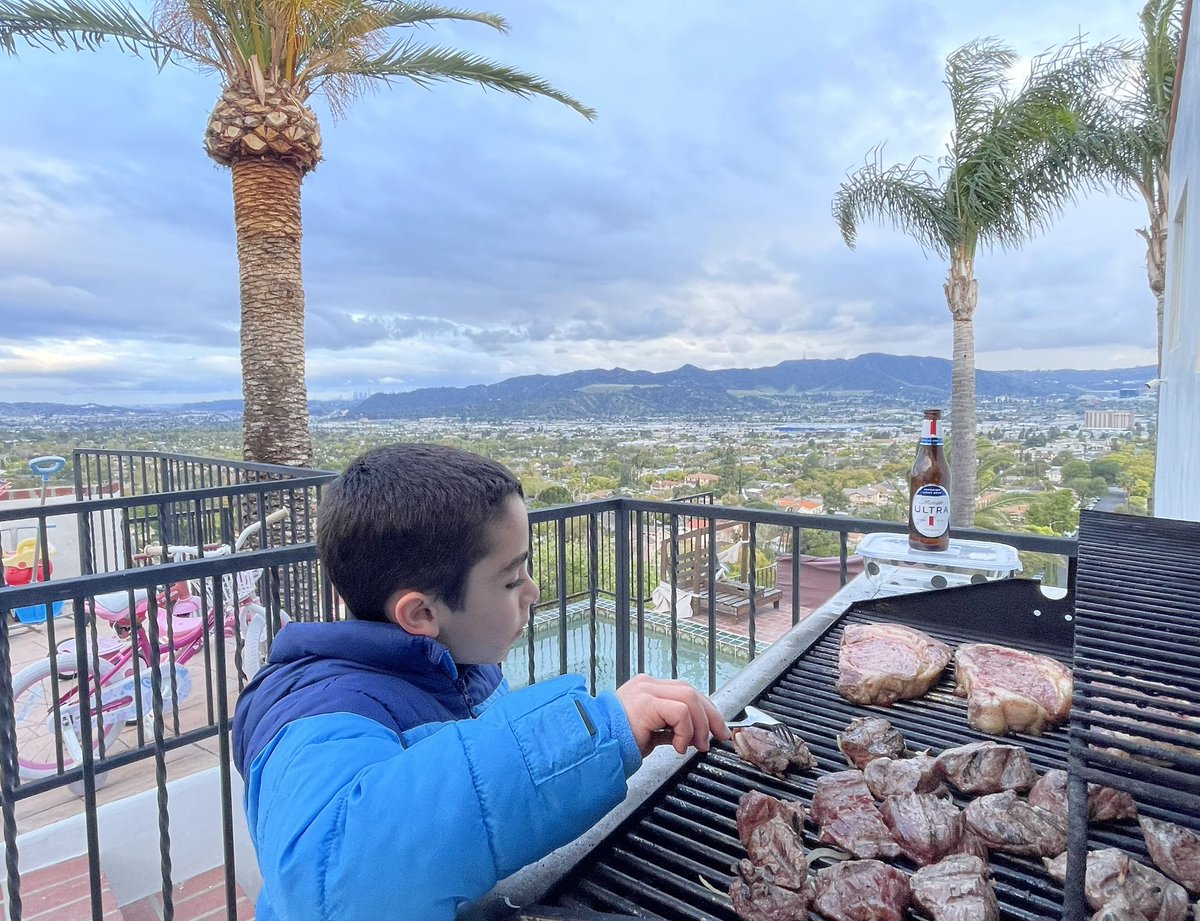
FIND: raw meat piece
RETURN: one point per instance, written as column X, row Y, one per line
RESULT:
column 1104, row 803
column 986, row 767
column 756, row 895
column 1009, row 690
column 770, row 752
column 926, row 827
column 868, row 738
column 956, row 889
column 1118, row 909
column 1113, row 874
column 1175, row 851
column 862, row 890
column 1007, row 823
column 893, row 776
column 883, row 663
column 755, row 809
column 771, row 831
column 842, row 805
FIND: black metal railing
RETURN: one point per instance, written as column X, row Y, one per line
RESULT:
column 681, row 588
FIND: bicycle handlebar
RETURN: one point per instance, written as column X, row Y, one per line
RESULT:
column 155, row 551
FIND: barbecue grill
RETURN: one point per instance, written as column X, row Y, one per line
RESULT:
column 676, row 831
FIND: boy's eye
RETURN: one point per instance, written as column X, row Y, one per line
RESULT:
column 518, row 583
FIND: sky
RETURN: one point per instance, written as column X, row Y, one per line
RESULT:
column 455, row 236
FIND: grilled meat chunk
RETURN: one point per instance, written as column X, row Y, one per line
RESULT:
column 862, row 890
column 1104, row 803
column 1119, row 909
column 1007, row 823
column 893, row 776
column 772, row 831
column 956, row 889
column 770, row 752
column 842, row 805
column 757, row 896
column 883, row 663
column 926, row 827
column 1112, row 874
column 1175, row 851
column 986, row 767
column 868, row 738
column 1009, row 690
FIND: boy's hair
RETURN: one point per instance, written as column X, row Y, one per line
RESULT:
column 409, row 516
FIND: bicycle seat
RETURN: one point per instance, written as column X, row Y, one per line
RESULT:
column 114, row 606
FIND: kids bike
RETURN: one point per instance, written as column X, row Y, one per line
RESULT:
column 46, row 698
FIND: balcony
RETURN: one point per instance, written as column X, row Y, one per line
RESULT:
column 676, row 589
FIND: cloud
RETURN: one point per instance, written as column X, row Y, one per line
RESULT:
column 454, row 236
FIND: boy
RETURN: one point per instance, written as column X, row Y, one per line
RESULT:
column 388, row 772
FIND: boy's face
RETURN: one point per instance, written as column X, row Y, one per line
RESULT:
column 499, row 593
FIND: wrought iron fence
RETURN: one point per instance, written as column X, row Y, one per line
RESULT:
column 679, row 588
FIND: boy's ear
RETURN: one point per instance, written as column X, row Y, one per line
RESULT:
column 415, row 612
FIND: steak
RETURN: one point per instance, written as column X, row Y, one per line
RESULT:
column 1175, row 851
column 862, row 890
column 771, row 830
column 926, row 827
column 1113, row 874
column 986, row 767
column 1104, row 803
column 1009, row 690
column 770, row 752
column 868, row 738
column 757, row 896
column 842, row 805
column 893, row 776
column 882, row 663
column 1007, row 823
column 956, row 889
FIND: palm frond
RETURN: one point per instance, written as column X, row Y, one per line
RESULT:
column 426, row 65
column 83, row 25
column 903, row 194
column 976, row 77
column 417, row 14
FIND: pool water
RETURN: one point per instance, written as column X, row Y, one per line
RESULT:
column 692, row 659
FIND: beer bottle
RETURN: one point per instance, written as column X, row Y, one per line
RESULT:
column 929, row 490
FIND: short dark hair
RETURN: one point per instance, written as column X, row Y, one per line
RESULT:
column 409, row 516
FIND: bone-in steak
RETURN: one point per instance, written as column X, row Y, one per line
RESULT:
column 1009, row 690
column 883, row 663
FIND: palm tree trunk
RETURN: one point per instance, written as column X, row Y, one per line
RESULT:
column 266, row 208
column 962, row 296
column 1156, row 272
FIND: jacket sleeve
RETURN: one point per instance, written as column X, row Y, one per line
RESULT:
column 349, row 824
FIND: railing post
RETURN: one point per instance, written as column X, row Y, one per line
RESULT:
column 623, row 560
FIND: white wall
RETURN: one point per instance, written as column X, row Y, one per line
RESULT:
column 1177, row 475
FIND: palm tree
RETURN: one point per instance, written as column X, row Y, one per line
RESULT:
column 1135, row 134
column 1012, row 162
column 271, row 56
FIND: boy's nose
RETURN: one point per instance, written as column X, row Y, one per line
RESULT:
column 535, row 591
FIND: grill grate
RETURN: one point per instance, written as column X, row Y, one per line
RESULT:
column 1137, row 673
column 651, row 865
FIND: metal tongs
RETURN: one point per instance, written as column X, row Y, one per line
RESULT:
column 760, row 719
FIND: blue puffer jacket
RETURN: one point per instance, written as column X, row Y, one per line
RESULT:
column 382, row 781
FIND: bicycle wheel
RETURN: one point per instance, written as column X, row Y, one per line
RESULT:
column 33, row 708
column 258, row 642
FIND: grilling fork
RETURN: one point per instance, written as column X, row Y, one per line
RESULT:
column 760, row 719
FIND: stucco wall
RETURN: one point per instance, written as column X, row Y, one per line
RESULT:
column 1177, row 477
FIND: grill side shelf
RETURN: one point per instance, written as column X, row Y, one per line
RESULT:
column 1135, row 718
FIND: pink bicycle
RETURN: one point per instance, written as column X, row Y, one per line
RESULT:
column 46, row 693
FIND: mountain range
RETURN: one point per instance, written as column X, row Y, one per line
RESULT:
column 876, row 378
column 873, row 379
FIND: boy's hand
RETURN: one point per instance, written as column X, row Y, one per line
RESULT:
column 662, row 710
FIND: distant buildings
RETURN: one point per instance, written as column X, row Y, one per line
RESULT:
column 1108, row 420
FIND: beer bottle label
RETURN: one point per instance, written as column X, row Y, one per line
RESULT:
column 931, row 510
column 931, row 432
